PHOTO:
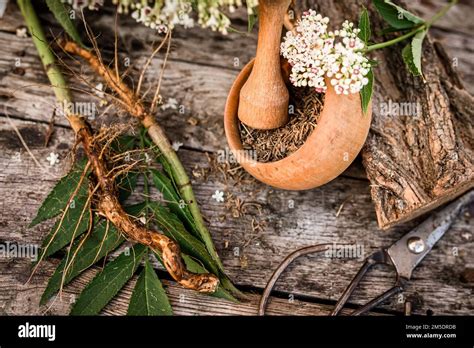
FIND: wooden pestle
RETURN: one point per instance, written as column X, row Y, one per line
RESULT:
column 264, row 98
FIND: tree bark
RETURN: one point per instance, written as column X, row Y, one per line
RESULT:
column 415, row 162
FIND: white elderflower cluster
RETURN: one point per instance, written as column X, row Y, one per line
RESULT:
column 82, row 4
column 166, row 14
column 317, row 55
column 162, row 16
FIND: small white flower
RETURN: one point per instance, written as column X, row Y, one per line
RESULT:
column 171, row 103
column 218, row 196
column 99, row 90
column 53, row 159
column 142, row 219
column 21, row 32
column 147, row 158
column 176, row 145
column 315, row 54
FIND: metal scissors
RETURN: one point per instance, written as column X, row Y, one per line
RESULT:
column 404, row 256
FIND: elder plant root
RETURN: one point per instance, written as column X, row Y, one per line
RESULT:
column 109, row 205
column 135, row 107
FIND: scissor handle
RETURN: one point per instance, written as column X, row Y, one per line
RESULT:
column 318, row 248
column 379, row 257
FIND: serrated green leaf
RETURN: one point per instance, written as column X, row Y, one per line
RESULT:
column 74, row 223
column 172, row 227
column 108, row 283
column 62, row 15
column 174, row 201
column 95, row 247
column 396, row 16
column 364, row 26
column 412, row 53
column 59, row 196
column 366, row 92
column 149, row 297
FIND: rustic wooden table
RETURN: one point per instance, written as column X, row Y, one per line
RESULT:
column 257, row 226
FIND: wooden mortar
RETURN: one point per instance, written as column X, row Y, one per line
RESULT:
column 332, row 146
column 264, row 98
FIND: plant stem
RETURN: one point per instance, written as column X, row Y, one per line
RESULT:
column 160, row 139
column 394, row 41
column 441, row 13
column 424, row 26
column 146, row 189
column 55, row 76
column 47, row 57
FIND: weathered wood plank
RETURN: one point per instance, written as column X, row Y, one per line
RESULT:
column 199, row 46
column 250, row 256
column 201, row 94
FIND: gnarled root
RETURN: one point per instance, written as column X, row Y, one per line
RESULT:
column 110, row 207
column 170, row 251
column 136, row 108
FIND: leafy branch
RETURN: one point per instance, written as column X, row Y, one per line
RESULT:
column 401, row 20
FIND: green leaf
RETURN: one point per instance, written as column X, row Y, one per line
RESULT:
column 62, row 15
column 59, row 196
column 172, row 227
column 366, row 92
column 196, row 267
column 174, row 201
column 95, row 247
column 412, row 53
column 396, row 16
column 126, row 184
column 252, row 19
column 74, row 223
column 108, row 283
column 364, row 26
column 149, row 297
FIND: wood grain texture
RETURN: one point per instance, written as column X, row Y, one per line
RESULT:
column 184, row 302
column 290, row 219
column 199, row 77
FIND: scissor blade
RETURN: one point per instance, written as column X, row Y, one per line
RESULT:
column 408, row 252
